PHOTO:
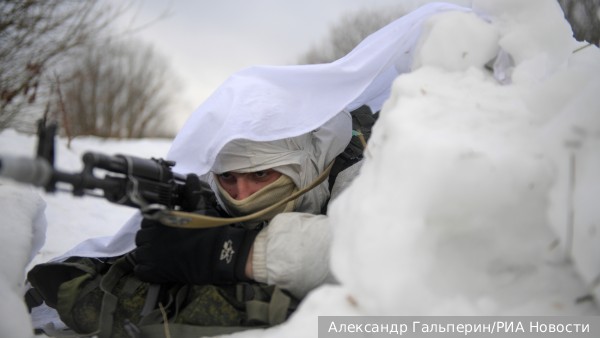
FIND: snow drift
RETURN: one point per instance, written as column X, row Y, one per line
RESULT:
column 478, row 195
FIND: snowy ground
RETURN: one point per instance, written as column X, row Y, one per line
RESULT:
column 476, row 198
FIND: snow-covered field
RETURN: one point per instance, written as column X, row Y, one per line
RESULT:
column 475, row 198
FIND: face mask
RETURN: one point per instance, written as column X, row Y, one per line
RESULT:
column 265, row 197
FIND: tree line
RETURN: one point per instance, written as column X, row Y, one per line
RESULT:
column 64, row 60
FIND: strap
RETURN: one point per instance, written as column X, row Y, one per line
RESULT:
column 279, row 307
column 109, row 301
column 272, row 312
column 174, row 301
column 33, row 298
column 151, row 299
column 182, row 219
column 266, row 304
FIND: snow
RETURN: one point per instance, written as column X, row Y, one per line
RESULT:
column 20, row 208
column 475, row 198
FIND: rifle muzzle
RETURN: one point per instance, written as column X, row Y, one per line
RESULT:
column 26, row 170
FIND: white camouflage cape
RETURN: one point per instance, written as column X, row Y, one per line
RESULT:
column 265, row 103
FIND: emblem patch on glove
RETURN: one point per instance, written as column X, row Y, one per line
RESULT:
column 227, row 251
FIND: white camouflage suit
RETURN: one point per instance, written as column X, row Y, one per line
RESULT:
column 294, row 119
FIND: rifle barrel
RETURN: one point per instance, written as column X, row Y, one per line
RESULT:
column 35, row 171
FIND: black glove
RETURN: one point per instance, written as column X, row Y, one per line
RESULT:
column 195, row 256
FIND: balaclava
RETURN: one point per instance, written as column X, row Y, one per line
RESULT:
column 301, row 159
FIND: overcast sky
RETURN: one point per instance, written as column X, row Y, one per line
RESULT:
column 205, row 41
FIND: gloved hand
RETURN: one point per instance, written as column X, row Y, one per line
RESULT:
column 195, row 256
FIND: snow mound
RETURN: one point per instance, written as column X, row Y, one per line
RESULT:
column 23, row 230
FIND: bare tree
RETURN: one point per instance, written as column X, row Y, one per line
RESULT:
column 34, row 36
column 349, row 32
column 584, row 17
column 120, row 89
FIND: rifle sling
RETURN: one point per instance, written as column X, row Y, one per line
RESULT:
column 189, row 220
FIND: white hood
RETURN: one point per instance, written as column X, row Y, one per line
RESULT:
column 303, row 158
